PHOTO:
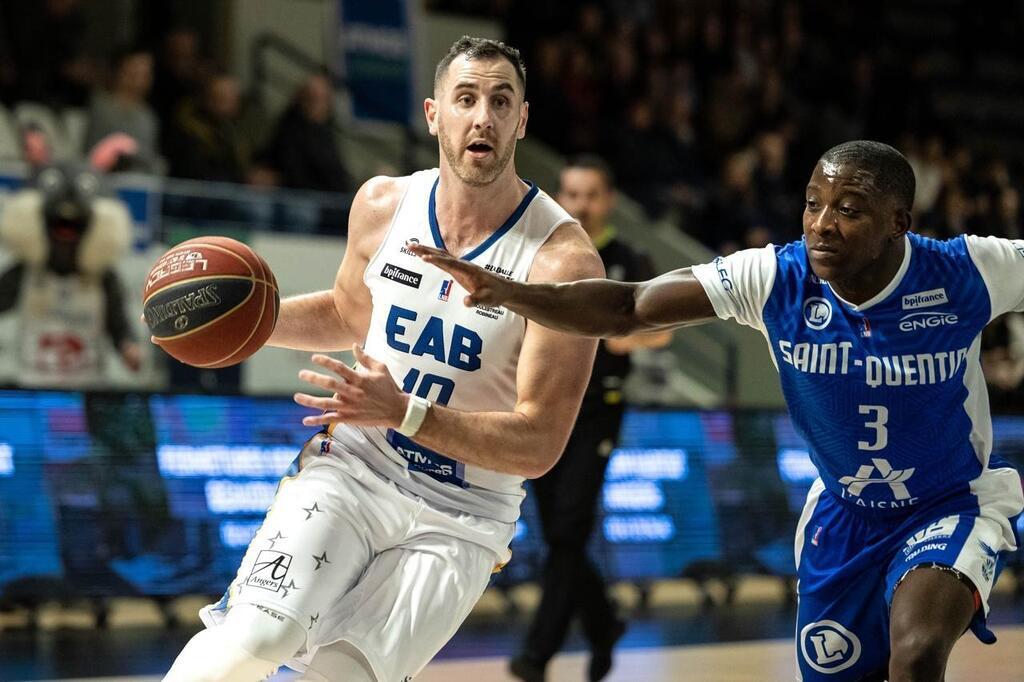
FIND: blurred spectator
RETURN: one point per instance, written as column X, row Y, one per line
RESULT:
column 208, row 142
column 771, row 183
column 929, row 164
column 36, row 149
column 583, row 97
column 178, row 75
column 303, row 149
column 547, row 111
column 643, row 159
column 734, row 219
column 1006, row 218
column 47, row 51
column 66, row 238
column 1002, row 360
column 123, row 109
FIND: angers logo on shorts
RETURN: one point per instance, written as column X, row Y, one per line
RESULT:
column 269, row 570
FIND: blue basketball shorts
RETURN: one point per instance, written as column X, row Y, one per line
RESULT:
column 849, row 565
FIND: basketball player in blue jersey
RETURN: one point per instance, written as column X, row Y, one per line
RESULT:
column 875, row 332
column 382, row 540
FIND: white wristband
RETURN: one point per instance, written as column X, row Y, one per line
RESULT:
column 415, row 413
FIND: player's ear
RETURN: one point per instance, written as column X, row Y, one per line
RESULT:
column 430, row 113
column 524, row 113
column 901, row 223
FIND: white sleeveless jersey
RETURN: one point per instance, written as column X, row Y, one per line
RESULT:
column 62, row 330
column 437, row 348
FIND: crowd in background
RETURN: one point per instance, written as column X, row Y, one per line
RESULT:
column 165, row 106
column 711, row 113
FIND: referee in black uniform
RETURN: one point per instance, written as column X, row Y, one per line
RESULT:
column 567, row 495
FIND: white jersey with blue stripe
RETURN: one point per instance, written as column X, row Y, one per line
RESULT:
column 437, row 348
column 888, row 394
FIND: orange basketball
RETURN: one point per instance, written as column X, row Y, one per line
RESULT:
column 211, row 302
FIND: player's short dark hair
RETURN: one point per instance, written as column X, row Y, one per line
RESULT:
column 481, row 48
column 593, row 162
column 893, row 174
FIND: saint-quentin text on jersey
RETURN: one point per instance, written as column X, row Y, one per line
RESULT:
column 919, row 369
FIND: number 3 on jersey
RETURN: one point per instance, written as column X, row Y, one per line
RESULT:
column 445, row 386
column 880, row 416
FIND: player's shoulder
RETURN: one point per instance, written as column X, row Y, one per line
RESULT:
column 967, row 251
column 955, row 247
column 381, row 194
column 567, row 255
column 373, row 208
column 991, row 246
column 794, row 252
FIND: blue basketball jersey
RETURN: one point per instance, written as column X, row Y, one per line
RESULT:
column 888, row 394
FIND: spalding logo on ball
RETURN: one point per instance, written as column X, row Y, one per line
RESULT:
column 211, row 302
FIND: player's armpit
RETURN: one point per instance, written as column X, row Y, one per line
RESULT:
column 334, row 319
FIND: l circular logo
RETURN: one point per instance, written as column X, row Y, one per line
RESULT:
column 817, row 312
column 181, row 322
column 828, row 647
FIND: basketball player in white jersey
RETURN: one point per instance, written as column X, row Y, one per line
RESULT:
column 378, row 546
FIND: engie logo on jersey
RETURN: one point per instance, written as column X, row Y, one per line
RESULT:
column 925, row 299
column 926, row 320
column 446, row 290
column 817, row 312
column 828, row 647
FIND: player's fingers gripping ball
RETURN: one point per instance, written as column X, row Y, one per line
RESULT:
column 210, row 302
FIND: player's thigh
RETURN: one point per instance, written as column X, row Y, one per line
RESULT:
column 842, row 620
column 409, row 602
column 842, row 635
column 946, row 565
column 312, row 547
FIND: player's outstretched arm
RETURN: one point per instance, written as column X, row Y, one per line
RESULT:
column 591, row 307
column 334, row 319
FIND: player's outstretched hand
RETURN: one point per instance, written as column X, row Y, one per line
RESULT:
column 485, row 288
column 366, row 396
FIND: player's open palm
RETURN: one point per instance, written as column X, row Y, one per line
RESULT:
column 367, row 396
column 483, row 287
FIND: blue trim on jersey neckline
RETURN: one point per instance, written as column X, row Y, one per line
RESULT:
column 435, row 230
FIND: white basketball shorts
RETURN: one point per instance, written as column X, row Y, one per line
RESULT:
column 353, row 558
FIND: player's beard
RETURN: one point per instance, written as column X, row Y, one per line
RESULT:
column 476, row 175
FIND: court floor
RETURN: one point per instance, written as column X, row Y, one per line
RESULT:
column 764, row 661
column 678, row 638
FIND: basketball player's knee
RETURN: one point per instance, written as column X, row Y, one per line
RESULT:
column 918, row 654
column 264, row 633
column 249, row 645
column 339, row 662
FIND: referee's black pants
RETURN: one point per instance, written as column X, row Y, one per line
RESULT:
column 567, row 499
